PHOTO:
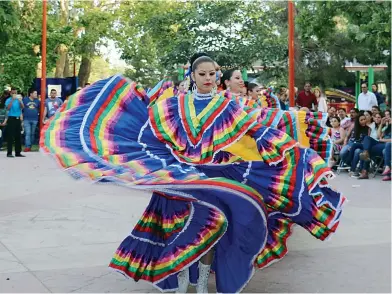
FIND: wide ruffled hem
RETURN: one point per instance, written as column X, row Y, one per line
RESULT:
column 142, row 257
column 173, row 234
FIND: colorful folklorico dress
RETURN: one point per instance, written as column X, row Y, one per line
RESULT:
column 176, row 148
column 307, row 128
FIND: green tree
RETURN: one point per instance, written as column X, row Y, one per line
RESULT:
column 101, row 69
column 341, row 31
column 235, row 33
column 18, row 58
column 8, row 18
column 94, row 22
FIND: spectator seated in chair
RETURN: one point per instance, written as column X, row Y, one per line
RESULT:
column 354, row 139
column 373, row 147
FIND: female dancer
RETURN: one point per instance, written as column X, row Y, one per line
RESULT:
column 254, row 91
column 167, row 150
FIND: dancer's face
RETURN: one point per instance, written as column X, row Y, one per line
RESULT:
column 204, row 77
column 236, row 83
column 181, row 87
column 255, row 93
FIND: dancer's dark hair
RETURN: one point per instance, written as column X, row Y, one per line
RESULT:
column 200, row 60
column 227, row 76
column 251, row 86
column 196, row 56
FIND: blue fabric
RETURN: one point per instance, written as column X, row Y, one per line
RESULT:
column 31, row 109
column 261, row 176
column 29, row 129
column 16, row 109
column 283, row 106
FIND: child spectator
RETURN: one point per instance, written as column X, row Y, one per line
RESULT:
column 338, row 137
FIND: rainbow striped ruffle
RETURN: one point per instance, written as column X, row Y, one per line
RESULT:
column 307, row 128
column 269, row 100
column 168, row 225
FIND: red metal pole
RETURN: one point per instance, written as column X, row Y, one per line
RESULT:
column 43, row 56
column 291, row 54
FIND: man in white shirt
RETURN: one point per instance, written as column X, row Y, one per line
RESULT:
column 366, row 100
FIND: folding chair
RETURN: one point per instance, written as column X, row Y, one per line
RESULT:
column 375, row 164
column 341, row 167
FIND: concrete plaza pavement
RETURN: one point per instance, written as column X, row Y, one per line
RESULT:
column 58, row 235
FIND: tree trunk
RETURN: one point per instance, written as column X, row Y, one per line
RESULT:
column 84, row 71
column 62, row 51
column 67, row 71
column 64, row 12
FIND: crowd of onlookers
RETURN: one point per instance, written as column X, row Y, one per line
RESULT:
column 19, row 118
column 362, row 139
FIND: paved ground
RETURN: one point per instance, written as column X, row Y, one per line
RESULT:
column 58, row 235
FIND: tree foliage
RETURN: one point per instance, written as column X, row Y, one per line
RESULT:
column 79, row 32
column 18, row 58
column 155, row 37
column 235, row 33
column 332, row 32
